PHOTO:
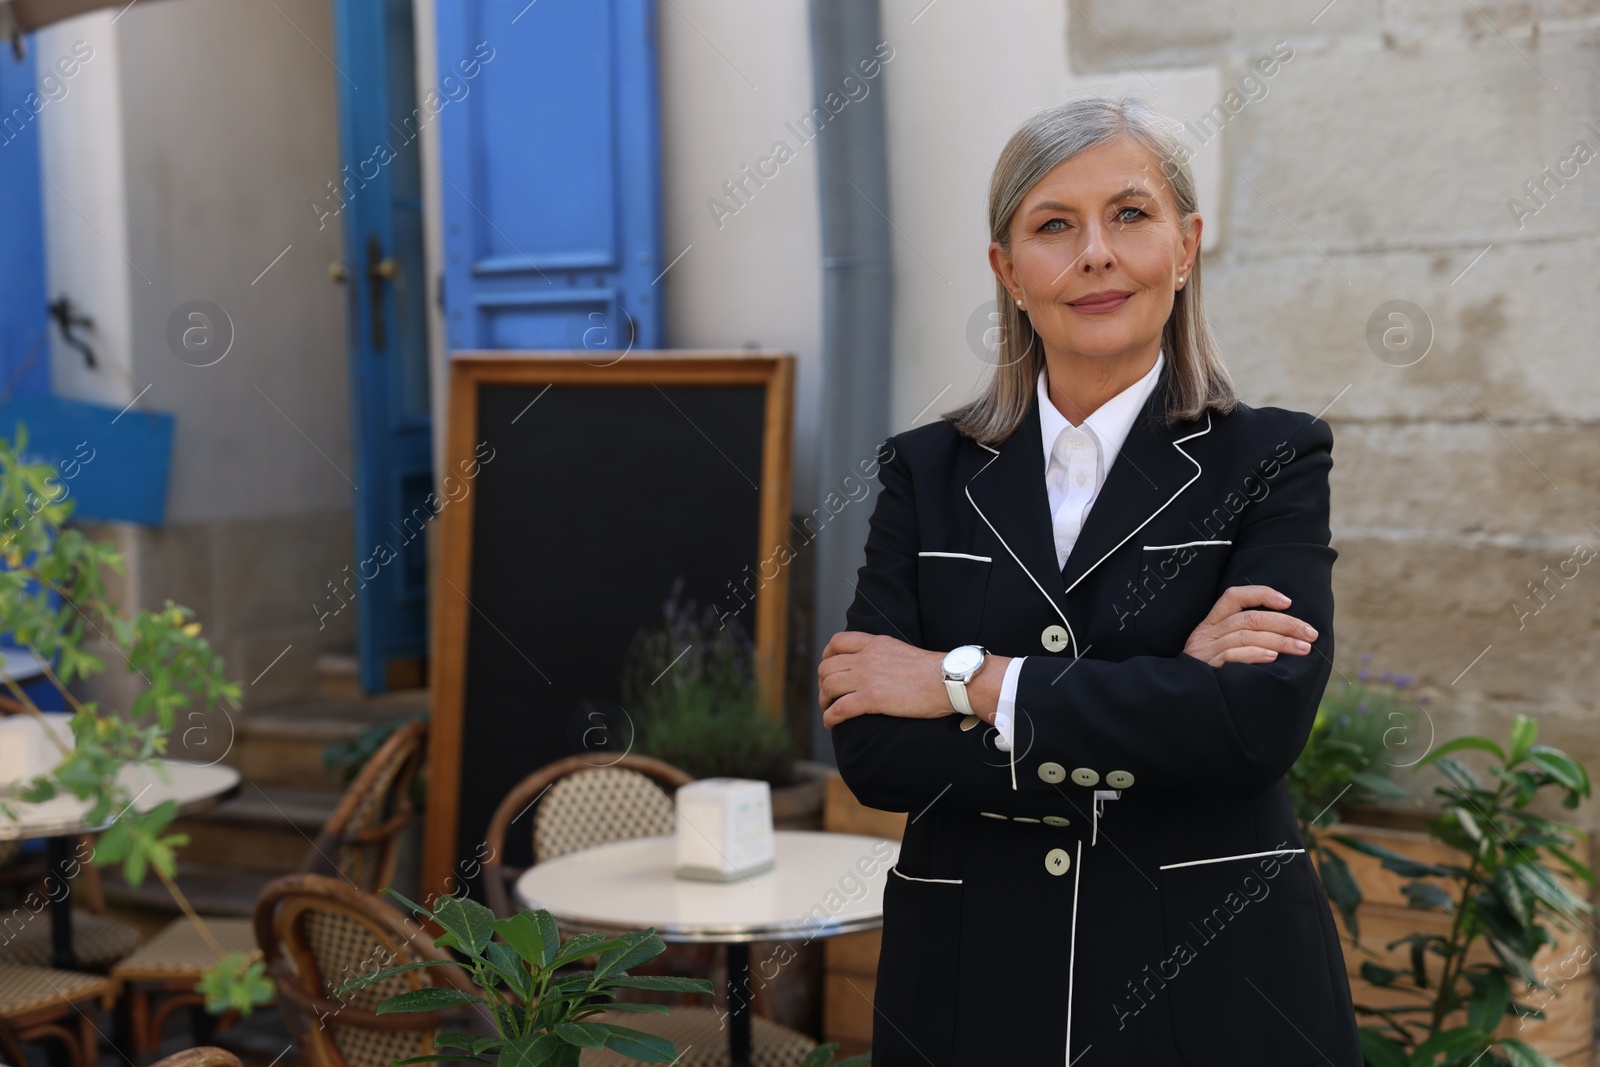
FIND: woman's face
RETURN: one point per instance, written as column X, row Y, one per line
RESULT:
column 1102, row 220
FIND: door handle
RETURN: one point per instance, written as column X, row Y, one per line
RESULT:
column 380, row 268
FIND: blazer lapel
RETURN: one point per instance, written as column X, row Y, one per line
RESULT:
column 1150, row 472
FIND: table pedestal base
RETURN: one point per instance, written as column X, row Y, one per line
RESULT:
column 738, row 1005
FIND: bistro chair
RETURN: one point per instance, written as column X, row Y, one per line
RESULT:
column 205, row 1056
column 11, row 1054
column 577, row 805
column 45, row 1005
column 316, row 933
column 360, row 842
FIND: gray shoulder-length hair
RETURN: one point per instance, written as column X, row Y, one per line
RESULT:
column 1196, row 377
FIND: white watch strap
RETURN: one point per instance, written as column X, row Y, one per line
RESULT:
column 958, row 696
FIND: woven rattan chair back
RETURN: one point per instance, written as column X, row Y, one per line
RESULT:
column 578, row 804
column 360, row 840
column 316, row 933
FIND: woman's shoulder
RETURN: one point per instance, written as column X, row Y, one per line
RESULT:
column 1249, row 424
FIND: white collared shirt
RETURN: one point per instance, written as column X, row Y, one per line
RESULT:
column 1076, row 461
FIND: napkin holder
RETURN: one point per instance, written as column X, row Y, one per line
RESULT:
column 724, row 829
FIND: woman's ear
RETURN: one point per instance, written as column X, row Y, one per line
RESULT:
column 1004, row 269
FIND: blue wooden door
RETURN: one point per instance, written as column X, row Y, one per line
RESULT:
column 24, row 334
column 551, row 187
column 386, row 289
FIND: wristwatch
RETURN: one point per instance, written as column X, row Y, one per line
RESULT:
column 959, row 665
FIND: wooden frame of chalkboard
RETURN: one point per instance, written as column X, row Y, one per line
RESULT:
column 646, row 462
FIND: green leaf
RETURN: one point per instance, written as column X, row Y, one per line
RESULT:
column 638, row 1044
column 667, row 982
column 531, row 1051
column 1426, row 895
column 1457, row 1043
column 469, row 922
column 1522, row 1054
column 1404, row 866
column 1341, row 888
column 583, row 945
column 636, row 948
column 584, row 1035
column 505, row 962
column 1460, row 743
column 1381, row 1051
column 523, row 934
column 1490, row 1000
column 443, row 1059
column 430, row 998
column 1377, row 974
column 821, row 1056
column 364, row 980
column 1523, row 732
column 1563, row 768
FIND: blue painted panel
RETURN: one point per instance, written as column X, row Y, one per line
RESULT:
column 114, row 463
column 551, row 167
column 24, row 325
column 380, row 117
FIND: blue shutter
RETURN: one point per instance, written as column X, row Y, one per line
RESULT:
column 24, row 324
column 551, row 166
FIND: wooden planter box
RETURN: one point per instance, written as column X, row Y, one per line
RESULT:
column 850, row 964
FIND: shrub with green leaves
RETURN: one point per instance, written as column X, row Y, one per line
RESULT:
column 690, row 689
column 1501, row 892
column 1359, row 737
column 542, row 1017
column 52, row 600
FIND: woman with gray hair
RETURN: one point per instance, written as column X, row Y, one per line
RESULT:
column 1088, row 642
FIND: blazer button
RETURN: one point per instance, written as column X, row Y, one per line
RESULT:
column 968, row 722
column 1052, row 772
column 1054, row 638
column 1056, row 820
column 1085, row 776
column 1056, row 861
column 1119, row 779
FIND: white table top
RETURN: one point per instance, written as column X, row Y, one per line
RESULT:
column 190, row 784
column 821, row 885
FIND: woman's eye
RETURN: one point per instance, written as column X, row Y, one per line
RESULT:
column 1050, row 227
column 1137, row 211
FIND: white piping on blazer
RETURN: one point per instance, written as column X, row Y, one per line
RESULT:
column 914, row 878
column 1186, row 544
column 1072, row 951
column 1073, row 638
column 1241, row 856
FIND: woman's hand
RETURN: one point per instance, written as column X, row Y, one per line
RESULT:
column 1233, row 633
column 864, row 674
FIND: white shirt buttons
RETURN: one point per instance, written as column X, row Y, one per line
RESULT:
column 1056, row 820
column 1056, row 861
column 1054, row 638
column 1052, row 772
column 1085, row 776
column 1119, row 779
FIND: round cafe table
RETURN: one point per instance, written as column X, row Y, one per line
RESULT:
column 195, row 786
column 819, row 886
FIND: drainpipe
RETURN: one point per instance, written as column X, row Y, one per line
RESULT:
column 857, row 304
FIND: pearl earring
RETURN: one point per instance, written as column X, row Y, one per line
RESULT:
column 1019, row 303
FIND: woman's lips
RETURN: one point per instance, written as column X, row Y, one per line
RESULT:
column 1100, row 306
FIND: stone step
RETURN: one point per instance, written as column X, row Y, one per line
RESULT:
column 339, row 676
column 287, row 744
column 234, row 849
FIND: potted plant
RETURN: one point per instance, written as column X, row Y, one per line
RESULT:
column 1497, row 888
column 542, row 1017
column 52, row 599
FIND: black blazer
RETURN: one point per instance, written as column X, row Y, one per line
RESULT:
column 1047, row 906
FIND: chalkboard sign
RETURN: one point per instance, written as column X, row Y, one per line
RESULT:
column 574, row 496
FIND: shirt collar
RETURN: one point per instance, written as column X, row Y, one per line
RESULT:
column 1111, row 422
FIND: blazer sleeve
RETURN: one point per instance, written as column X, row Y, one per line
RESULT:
column 1173, row 723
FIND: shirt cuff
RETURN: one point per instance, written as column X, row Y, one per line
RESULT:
column 1004, row 716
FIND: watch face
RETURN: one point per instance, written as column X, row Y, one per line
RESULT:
column 963, row 659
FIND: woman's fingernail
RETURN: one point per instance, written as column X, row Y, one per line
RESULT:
column 1302, row 646
column 1271, row 654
